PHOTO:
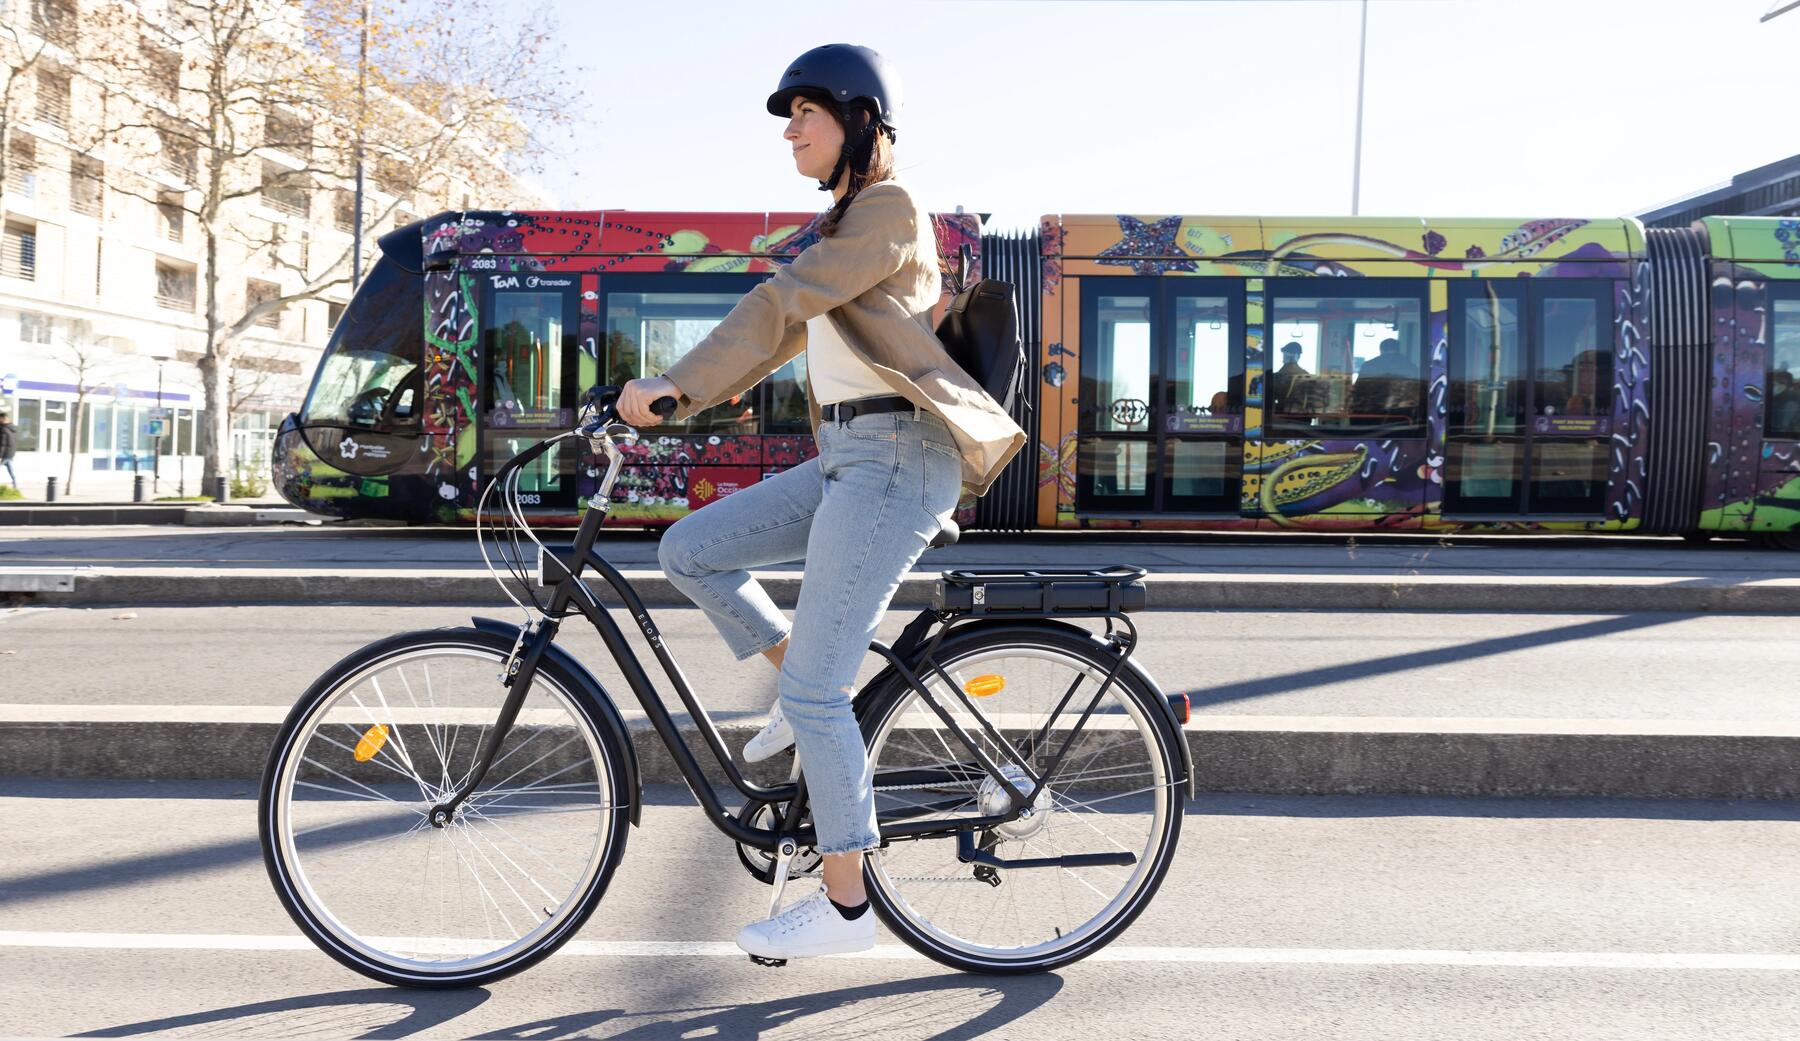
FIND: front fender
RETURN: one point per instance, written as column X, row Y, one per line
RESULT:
column 596, row 695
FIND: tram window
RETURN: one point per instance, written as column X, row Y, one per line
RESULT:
column 1574, row 376
column 1204, row 382
column 646, row 333
column 1487, row 396
column 1115, row 468
column 1116, row 372
column 1199, row 468
column 787, row 400
column 1568, row 476
column 526, row 373
column 1347, row 364
column 1781, row 416
column 370, row 377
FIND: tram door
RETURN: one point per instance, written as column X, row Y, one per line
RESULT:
column 1531, row 387
column 1161, row 416
column 530, row 385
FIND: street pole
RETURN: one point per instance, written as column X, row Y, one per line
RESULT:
column 1362, row 54
column 156, row 462
column 362, row 90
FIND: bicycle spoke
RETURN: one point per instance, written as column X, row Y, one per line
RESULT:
column 362, row 856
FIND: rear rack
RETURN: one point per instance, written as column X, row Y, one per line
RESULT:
column 1114, row 590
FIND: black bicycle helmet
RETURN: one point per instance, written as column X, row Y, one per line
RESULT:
column 852, row 77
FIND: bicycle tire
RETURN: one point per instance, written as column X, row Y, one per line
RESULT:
column 275, row 811
column 1139, row 701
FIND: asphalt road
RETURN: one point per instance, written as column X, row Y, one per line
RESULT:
column 1277, row 663
column 134, row 909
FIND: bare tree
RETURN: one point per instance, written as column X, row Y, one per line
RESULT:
column 89, row 361
column 248, row 106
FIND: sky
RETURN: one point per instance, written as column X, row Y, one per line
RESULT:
column 1526, row 108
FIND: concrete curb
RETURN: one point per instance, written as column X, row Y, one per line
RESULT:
column 1187, row 590
column 1274, row 755
column 157, row 513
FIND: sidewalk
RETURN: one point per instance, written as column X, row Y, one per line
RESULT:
column 175, row 565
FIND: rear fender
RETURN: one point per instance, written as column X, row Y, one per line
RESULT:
column 605, row 709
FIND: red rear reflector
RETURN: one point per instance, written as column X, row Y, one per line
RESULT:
column 1183, row 711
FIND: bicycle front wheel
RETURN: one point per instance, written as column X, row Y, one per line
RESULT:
column 388, row 733
column 1114, row 790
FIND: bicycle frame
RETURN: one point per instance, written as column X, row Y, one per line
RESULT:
column 570, row 593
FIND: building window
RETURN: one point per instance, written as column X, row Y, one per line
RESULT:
column 18, row 252
column 255, row 292
column 162, row 67
column 171, row 214
column 34, row 327
column 54, row 20
column 180, row 156
column 175, row 286
column 26, row 419
column 305, row 254
column 283, row 190
column 87, row 185
column 343, row 212
column 334, row 312
column 53, row 98
column 21, row 166
column 288, row 133
column 393, row 175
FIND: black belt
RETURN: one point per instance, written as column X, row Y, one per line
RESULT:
column 864, row 407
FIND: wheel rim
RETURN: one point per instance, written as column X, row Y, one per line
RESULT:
column 360, row 854
column 1111, row 793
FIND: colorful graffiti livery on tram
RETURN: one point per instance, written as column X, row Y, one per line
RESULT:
column 1341, row 374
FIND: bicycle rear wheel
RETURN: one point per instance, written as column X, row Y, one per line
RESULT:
column 1116, row 790
column 388, row 733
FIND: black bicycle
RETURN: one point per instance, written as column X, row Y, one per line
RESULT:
column 443, row 808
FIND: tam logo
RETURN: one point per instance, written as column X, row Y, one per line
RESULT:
column 504, row 281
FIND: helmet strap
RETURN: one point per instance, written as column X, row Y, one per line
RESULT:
column 848, row 150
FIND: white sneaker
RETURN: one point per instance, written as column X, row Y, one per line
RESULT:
column 772, row 738
column 811, row 927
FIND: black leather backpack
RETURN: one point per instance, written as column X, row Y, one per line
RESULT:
column 980, row 330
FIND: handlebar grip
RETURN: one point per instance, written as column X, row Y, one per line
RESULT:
column 663, row 406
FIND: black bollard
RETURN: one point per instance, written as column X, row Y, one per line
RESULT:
column 140, row 488
column 221, row 486
column 50, row 489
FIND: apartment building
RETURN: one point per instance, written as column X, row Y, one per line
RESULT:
column 101, row 275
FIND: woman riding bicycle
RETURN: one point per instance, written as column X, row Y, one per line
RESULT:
column 900, row 430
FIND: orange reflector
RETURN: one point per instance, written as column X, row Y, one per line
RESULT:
column 372, row 740
column 982, row 686
column 1184, row 709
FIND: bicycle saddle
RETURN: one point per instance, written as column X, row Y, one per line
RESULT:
column 947, row 535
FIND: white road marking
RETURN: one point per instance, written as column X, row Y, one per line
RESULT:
column 1189, row 955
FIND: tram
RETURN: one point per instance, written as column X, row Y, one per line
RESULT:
column 1189, row 372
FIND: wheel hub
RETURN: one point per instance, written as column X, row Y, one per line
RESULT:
column 994, row 799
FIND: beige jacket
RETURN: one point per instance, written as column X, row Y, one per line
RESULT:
column 877, row 280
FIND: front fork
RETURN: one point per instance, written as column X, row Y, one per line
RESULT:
column 516, row 675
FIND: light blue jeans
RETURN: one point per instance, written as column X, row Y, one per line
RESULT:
column 859, row 514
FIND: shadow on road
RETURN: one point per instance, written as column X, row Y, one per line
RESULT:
column 1264, row 686
column 937, row 1007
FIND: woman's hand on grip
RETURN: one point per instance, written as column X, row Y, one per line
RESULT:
column 638, row 395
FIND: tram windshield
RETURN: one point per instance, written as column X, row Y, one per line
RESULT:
column 369, row 378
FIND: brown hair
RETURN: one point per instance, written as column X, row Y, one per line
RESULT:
column 871, row 163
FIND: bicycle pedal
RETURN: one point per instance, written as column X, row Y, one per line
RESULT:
column 774, row 963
